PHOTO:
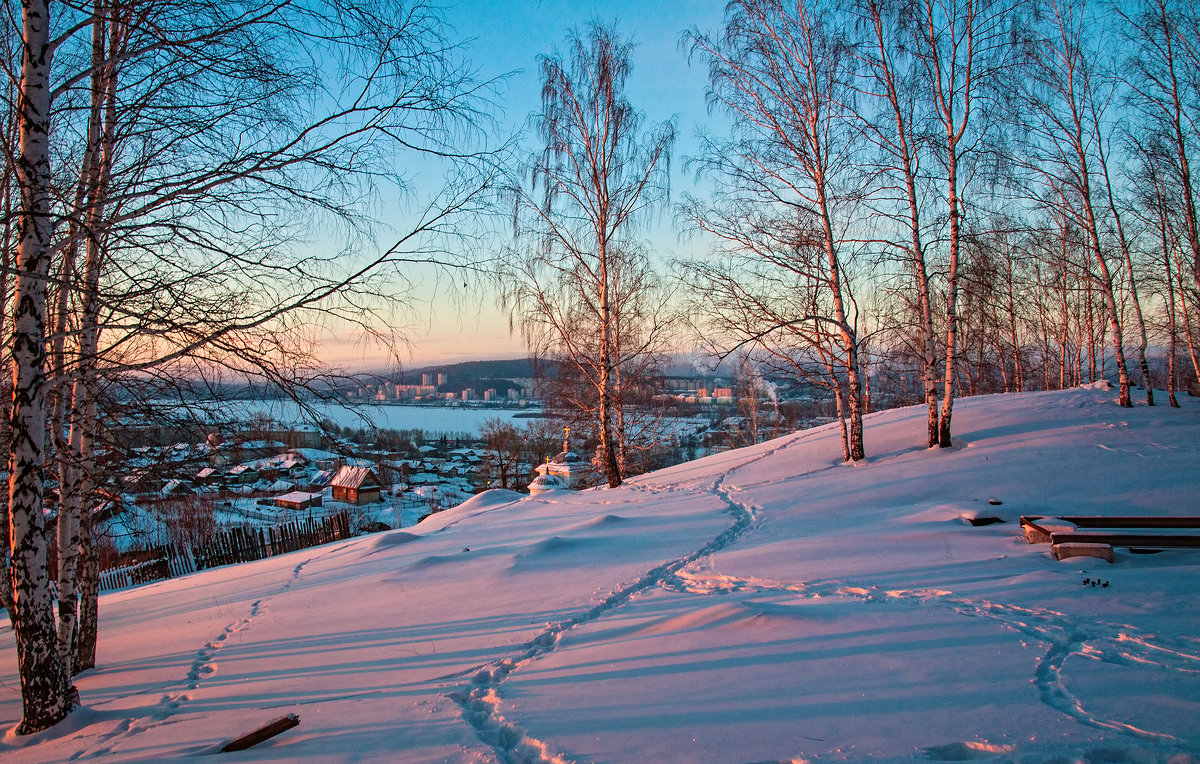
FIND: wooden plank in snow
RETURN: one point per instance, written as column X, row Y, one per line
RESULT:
column 266, row 732
column 1117, row 521
column 1068, row 549
column 1142, row 540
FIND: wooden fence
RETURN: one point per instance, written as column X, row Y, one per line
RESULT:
column 231, row 547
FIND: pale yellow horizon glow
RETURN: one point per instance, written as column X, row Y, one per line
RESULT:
column 483, row 338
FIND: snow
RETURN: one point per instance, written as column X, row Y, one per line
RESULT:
column 432, row 418
column 765, row 604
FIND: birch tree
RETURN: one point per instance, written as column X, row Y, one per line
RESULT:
column 782, row 72
column 1161, row 75
column 895, row 125
column 963, row 47
column 213, row 142
column 46, row 693
column 1064, row 100
column 598, row 176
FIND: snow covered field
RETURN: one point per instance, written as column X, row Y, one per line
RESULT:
column 766, row 604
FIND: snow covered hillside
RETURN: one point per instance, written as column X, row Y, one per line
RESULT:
column 766, row 604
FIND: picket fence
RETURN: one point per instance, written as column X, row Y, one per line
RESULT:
column 234, row 546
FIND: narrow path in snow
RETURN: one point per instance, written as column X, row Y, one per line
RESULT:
column 203, row 666
column 480, row 699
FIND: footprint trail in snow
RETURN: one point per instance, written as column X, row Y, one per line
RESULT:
column 694, row 574
column 480, row 700
column 203, row 666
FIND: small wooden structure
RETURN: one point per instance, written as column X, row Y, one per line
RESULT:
column 298, row 500
column 265, row 732
column 1102, row 533
column 356, row 485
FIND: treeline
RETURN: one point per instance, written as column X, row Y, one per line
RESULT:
column 916, row 199
column 947, row 197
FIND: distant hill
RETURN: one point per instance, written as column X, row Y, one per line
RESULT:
column 470, row 371
column 514, row 373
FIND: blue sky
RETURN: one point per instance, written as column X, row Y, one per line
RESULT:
column 507, row 38
column 510, row 36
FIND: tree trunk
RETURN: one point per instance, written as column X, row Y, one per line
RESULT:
column 1165, row 235
column 46, row 694
column 1143, row 341
column 612, row 469
column 84, row 422
column 1172, row 335
column 916, row 248
column 1105, row 282
column 854, row 402
column 944, row 439
column 1018, row 371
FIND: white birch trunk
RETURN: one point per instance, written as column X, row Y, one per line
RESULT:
column 46, row 694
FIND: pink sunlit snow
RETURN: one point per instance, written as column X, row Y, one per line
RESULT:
column 764, row 604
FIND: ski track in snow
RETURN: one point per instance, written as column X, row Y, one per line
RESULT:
column 480, row 699
column 203, row 666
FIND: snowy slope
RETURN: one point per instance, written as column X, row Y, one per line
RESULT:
column 767, row 604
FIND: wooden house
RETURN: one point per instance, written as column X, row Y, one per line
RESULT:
column 210, row 476
column 299, row 500
column 244, row 474
column 356, row 485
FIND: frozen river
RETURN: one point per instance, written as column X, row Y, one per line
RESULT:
column 434, row 420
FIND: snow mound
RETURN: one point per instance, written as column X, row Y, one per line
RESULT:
column 967, row 751
column 735, row 615
column 490, row 499
column 552, row 551
column 394, row 539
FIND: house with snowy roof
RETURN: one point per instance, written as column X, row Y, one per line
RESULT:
column 320, row 479
column 299, row 500
column 281, row 485
column 356, row 485
column 243, row 473
column 209, row 476
column 175, row 487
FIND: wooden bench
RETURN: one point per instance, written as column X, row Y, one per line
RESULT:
column 1039, row 529
column 1139, row 540
column 1117, row 521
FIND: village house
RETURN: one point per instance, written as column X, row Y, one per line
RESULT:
column 244, row 474
column 299, row 500
column 210, row 476
column 176, row 487
column 356, row 485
